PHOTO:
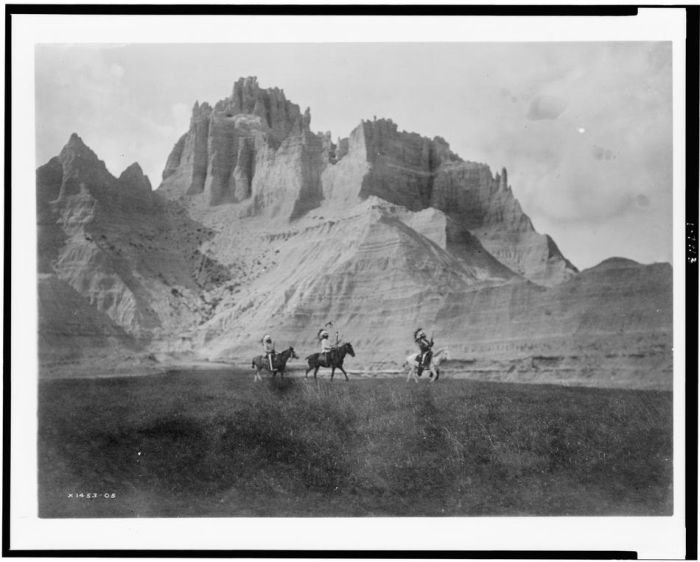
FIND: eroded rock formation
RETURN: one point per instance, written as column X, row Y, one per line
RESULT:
column 256, row 147
column 261, row 225
column 417, row 172
column 126, row 251
column 253, row 147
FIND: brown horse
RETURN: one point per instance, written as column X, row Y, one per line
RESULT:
column 279, row 363
column 333, row 360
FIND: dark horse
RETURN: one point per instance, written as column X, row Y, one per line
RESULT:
column 279, row 363
column 334, row 360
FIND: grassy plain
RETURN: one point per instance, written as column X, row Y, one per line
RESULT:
column 213, row 443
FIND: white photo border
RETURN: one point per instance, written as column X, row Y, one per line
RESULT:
column 650, row 537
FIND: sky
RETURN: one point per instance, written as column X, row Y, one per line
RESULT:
column 584, row 129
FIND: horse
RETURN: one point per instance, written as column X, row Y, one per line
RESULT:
column 412, row 362
column 279, row 363
column 334, row 360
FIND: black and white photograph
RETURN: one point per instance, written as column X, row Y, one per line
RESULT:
column 382, row 280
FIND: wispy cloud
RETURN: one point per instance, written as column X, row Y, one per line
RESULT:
column 546, row 107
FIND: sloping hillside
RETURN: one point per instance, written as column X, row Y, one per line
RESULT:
column 262, row 226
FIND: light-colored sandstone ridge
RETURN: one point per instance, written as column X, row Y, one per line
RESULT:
column 378, row 278
column 371, row 269
column 253, row 147
column 256, row 148
column 381, row 232
column 417, row 172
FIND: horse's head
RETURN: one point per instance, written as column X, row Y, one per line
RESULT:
column 444, row 353
column 348, row 348
column 292, row 353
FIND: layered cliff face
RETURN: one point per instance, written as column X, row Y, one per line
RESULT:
column 371, row 269
column 72, row 331
column 417, row 172
column 69, row 326
column 381, row 271
column 256, row 148
column 262, row 226
column 130, row 254
column 610, row 325
column 253, row 147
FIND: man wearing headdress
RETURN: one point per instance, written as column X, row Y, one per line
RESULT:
column 426, row 349
column 269, row 349
column 325, row 344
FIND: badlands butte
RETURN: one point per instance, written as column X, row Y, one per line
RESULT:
column 262, row 225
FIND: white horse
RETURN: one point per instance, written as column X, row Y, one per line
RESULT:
column 413, row 363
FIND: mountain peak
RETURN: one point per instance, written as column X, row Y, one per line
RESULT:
column 256, row 148
column 270, row 104
column 75, row 139
column 132, row 169
column 387, row 228
column 245, row 82
column 616, row 263
column 82, row 169
column 76, row 146
column 133, row 177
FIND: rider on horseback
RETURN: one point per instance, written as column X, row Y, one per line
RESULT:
column 326, row 346
column 269, row 349
column 425, row 345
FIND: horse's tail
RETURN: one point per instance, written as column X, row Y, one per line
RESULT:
column 252, row 365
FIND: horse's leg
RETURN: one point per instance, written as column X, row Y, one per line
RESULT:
column 332, row 372
column 414, row 372
column 346, row 375
column 256, row 376
column 316, row 371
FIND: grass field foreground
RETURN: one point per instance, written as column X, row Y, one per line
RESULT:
column 213, row 443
